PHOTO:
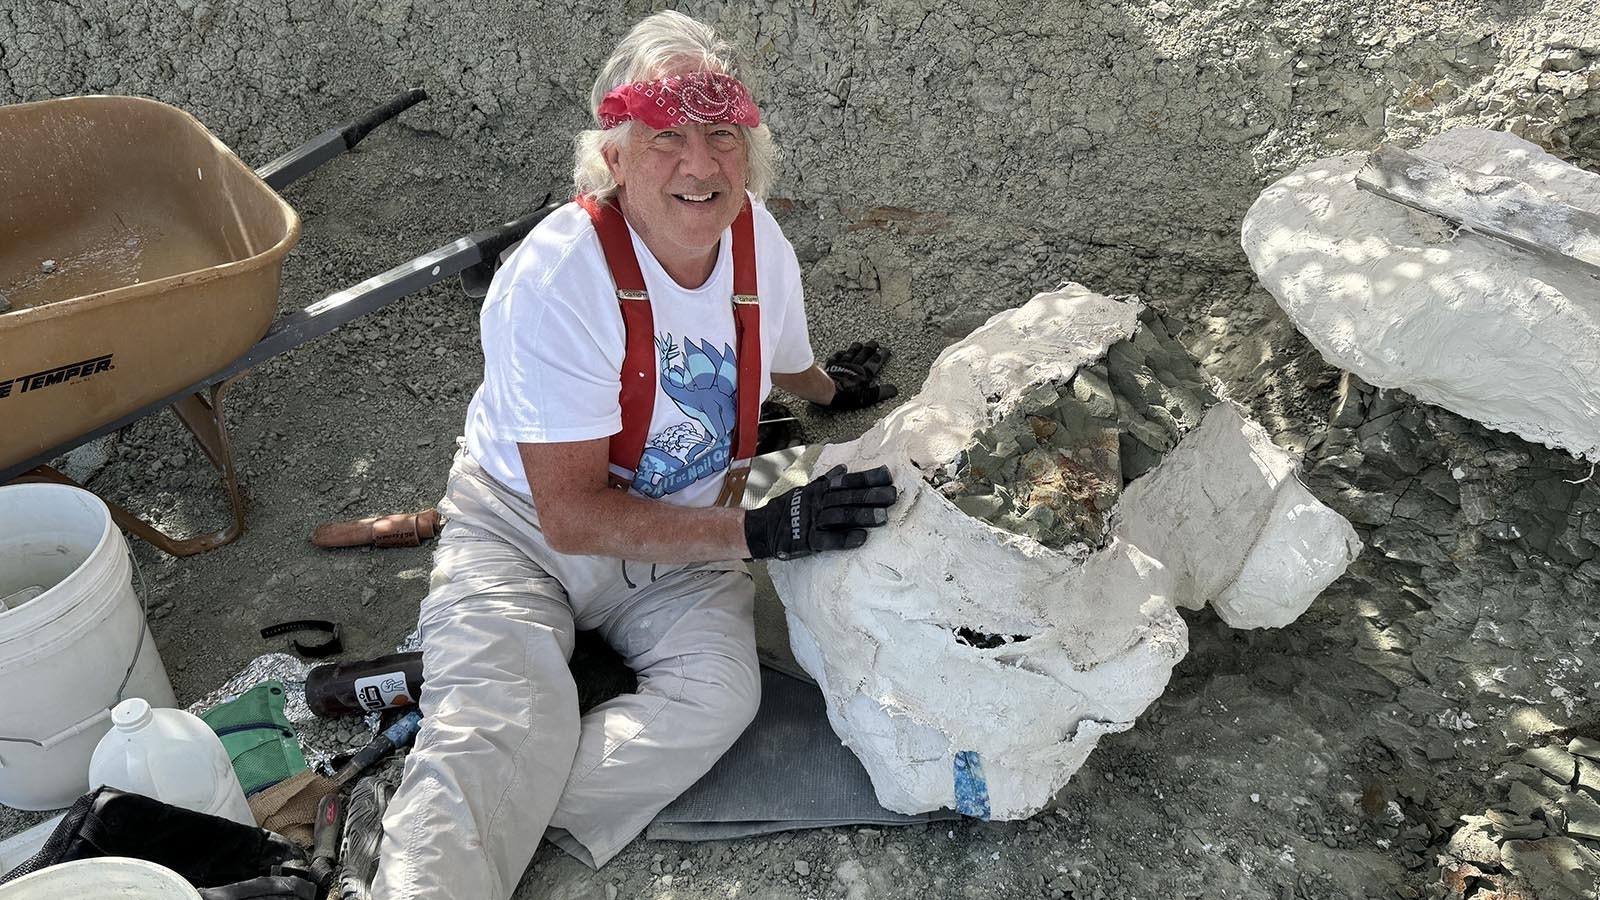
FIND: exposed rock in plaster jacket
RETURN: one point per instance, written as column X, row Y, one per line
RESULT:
column 1464, row 321
column 1083, row 639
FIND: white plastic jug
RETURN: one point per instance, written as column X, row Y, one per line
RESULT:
column 172, row 756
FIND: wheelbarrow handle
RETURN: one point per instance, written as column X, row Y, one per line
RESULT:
column 379, row 291
column 306, row 158
column 476, row 278
column 360, row 128
column 493, row 241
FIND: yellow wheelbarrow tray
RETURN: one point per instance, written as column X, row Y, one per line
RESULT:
column 140, row 265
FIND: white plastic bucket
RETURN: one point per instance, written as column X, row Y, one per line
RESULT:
column 104, row 878
column 65, row 652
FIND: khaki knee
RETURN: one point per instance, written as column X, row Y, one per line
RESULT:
column 729, row 693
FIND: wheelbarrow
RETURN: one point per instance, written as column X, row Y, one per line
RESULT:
column 140, row 264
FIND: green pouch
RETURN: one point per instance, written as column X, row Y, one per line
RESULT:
column 257, row 736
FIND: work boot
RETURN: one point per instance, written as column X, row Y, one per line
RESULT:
column 363, row 826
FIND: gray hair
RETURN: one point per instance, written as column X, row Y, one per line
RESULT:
column 664, row 44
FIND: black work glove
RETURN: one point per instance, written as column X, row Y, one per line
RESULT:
column 831, row 513
column 854, row 371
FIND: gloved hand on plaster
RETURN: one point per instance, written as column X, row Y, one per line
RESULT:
column 855, row 372
column 831, row 513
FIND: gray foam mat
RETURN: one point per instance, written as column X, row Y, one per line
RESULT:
column 788, row 771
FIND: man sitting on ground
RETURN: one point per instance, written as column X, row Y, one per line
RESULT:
column 624, row 347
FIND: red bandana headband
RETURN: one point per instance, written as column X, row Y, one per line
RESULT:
column 703, row 97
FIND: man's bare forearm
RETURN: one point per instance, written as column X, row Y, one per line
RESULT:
column 619, row 524
column 812, row 384
column 581, row 516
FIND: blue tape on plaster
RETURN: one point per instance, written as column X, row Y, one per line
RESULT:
column 972, row 792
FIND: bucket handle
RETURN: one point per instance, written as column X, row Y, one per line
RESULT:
column 100, row 715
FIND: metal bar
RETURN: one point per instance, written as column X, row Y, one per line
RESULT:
column 136, row 526
column 304, row 159
column 208, row 427
column 1492, row 205
column 341, row 307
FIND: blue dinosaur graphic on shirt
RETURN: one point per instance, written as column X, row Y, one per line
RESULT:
column 703, row 383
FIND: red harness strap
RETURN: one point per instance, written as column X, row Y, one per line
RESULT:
column 638, row 394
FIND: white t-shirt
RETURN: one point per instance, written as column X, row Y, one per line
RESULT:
column 553, row 343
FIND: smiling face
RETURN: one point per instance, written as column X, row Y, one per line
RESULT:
column 680, row 188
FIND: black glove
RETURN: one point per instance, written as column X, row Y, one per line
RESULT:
column 831, row 513
column 854, row 371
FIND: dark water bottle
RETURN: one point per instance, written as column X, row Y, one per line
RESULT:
column 368, row 685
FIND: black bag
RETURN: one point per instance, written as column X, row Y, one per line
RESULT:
column 224, row 859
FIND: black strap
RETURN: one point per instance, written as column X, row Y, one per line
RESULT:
column 311, row 651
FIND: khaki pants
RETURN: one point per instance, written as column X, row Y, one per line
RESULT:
column 503, row 753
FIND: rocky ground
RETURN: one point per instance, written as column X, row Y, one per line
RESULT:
column 1334, row 758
